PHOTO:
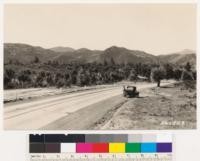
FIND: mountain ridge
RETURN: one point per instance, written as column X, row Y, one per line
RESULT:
column 62, row 49
column 26, row 53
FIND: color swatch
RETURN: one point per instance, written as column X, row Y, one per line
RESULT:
column 117, row 147
column 100, row 143
column 133, row 147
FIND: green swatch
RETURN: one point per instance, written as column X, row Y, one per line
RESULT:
column 133, row 147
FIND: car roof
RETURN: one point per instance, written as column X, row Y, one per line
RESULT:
column 131, row 86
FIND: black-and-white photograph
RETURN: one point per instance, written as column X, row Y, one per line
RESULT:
column 99, row 66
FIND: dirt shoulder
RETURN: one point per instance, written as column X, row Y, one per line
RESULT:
column 19, row 95
column 168, row 107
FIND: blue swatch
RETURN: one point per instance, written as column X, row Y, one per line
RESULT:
column 148, row 148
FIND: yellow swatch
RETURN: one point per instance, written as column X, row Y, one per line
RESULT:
column 116, row 147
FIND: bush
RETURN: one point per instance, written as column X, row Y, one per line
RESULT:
column 133, row 75
column 187, row 76
column 177, row 74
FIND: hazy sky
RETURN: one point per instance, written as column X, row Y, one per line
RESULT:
column 154, row 28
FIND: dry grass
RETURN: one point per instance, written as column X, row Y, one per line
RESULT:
column 170, row 107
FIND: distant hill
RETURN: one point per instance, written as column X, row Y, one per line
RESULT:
column 180, row 58
column 26, row 53
column 122, row 55
column 62, row 49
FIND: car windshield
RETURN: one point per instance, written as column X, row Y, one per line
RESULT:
column 130, row 88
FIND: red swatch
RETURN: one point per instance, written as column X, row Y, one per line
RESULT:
column 100, row 148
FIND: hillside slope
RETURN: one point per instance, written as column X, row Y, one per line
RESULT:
column 180, row 58
column 25, row 54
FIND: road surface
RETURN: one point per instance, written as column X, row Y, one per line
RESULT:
column 71, row 111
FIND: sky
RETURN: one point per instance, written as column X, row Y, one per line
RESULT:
column 154, row 28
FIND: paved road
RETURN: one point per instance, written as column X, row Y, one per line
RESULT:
column 40, row 114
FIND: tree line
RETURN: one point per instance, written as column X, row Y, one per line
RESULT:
column 53, row 74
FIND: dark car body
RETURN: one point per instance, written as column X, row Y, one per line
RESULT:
column 130, row 91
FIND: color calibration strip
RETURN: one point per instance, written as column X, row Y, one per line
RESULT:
column 100, row 143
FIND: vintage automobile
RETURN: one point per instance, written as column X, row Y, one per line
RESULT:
column 130, row 91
